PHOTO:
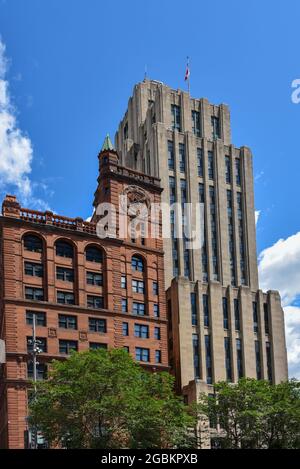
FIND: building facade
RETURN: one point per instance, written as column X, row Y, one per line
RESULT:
column 84, row 292
column 222, row 327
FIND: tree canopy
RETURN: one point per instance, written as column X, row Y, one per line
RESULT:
column 255, row 414
column 103, row 399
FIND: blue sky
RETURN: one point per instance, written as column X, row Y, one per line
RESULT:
column 73, row 63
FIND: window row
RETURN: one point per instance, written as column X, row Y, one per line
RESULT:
column 65, row 321
column 140, row 308
column 176, row 122
column 141, row 331
column 63, row 297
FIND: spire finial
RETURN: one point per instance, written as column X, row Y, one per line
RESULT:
column 107, row 145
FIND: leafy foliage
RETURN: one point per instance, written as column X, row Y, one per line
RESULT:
column 255, row 414
column 103, row 399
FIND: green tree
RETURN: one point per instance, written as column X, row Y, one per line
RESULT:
column 255, row 414
column 103, row 399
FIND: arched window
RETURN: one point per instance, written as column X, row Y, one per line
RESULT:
column 137, row 264
column 94, row 254
column 64, row 249
column 33, row 243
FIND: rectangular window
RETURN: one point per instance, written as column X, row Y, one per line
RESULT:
column 142, row 354
column 225, row 313
column 255, row 316
column 227, row 170
column 211, row 165
column 239, row 356
column 156, row 310
column 196, row 356
column 41, row 371
column 141, row 331
column 157, row 356
column 138, row 308
column 36, row 294
column 34, row 270
column 194, row 309
column 97, row 325
column 208, row 359
column 238, row 171
column 176, row 117
column 138, row 286
column 215, row 127
column 95, row 302
column 266, row 318
column 125, row 329
column 123, row 281
column 200, row 162
column 67, row 322
column 65, row 298
column 40, row 318
column 237, row 321
column 66, row 346
column 97, row 346
column 196, row 123
column 228, row 358
column 155, row 288
column 157, row 333
column 66, row 275
column 269, row 362
column 201, row 193
column 41, row 343
column 124, row 305
column 182, row 157
column 93, row 278
column 257, row 359
column 171, row 163
column 205, row 300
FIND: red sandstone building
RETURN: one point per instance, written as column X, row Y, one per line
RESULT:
column 85, row 292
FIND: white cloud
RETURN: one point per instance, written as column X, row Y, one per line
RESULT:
column 257, row 215
column 279, row 269
column 16, row 152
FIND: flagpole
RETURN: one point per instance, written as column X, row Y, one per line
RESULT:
column 188, row 78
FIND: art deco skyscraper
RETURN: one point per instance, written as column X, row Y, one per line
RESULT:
column 223, row 326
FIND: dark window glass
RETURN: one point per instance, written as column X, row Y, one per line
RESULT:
column 138, row 286
column 227, row 170
column 238, row 171
column 255, row 316
column 206, row 310
column 170, row 155
column 97, row 325
column 33, row 243
column 225, row 313
column 157, row 333
column 97, row 346
column 228, row 358
column 215, row 126
column 124, row 305
column 156, row 310
column 41, row 343
column 211, row 165
column 176, row 117
column 64, row 249
column 138, row 308
column 196, row 356
column 123, row 281
column 266, row 318
column 200, row 162
column 196, row 124
column 172, row 190
column 237, row 320
column 93, row 278
column 34, row 270
column 41, row 371
column 65, row 298
column 142, row 354
column 137, row 264
column 36, row 294
column 258, row 360
column 155, row 288
column 125, row 329
column 157, row 356
column 40, row 318
column 269, row 362
column 182, row 157
column 96, row 302
column 208, row 359
column 67, row 322
column 94, row 254
column 194, row 309
column 141, row 331
column 66, row 346
column 66, row 275
column 239, row 356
